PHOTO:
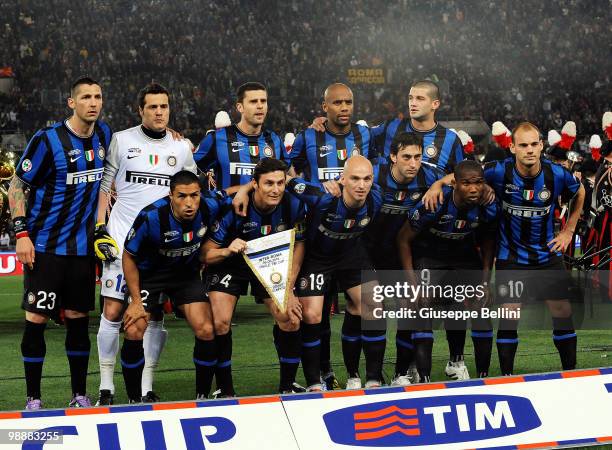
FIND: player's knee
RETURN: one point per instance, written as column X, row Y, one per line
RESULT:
column 135, row 332
column 311, row 315
column 205, row 331
column 71, row 314
column 222, row 326
column 289, row 325
column 112, row 310
column 36, row 318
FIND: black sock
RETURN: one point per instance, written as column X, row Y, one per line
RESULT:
column 456, row 344
column 404, row 351
column 374, row 343
column 566, row 341
column 351, row 343
column 205, row 360
column 77, row 350
column 33, row 350
column 507, row 343
column 132, row 363
column 483, row 345
column 223, row 370
column 275, row 333
column 289, row 344
column 311, row 349
column 423, row 345
column 325, row 357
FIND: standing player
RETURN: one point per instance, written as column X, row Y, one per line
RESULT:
column 161, row 256
column 233, row 151
column 269, row 211
column 139, row 165
column 319, row 156
column 530, row 189
column 403, row 180
column 334, row 226
column 458, row 235
column 62, row 167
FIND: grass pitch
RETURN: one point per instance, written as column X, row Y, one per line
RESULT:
column 255, row 363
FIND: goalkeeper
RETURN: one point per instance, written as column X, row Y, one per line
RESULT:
column 139, row 164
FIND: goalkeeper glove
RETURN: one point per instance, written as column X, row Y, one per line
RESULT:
column 104, row 245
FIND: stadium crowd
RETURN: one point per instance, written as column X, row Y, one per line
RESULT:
column 494, row 61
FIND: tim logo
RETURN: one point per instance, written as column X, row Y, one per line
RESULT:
column 431, row 421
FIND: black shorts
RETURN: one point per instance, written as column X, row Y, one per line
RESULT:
column 317, row 273
column 384, row 259
column 235, row 281
column 181, row 288
column 59, row 282
column 518, row 283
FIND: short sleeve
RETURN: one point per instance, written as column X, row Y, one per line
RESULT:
column 37, row 161
column 205, row 155
column 137, row 234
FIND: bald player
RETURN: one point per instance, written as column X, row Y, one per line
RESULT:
column 334, row 249
column 320, row 156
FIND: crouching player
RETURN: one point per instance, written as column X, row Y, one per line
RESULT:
column 457, row 242
column 161, row 256
column 269, row 211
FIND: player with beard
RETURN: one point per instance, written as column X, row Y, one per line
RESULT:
column 232, row 152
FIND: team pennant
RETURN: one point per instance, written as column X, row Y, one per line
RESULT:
column 153, row 159
column 253, row 150
column 90, row 155
column 270, row 258
column 528, row 194
column 188, row 237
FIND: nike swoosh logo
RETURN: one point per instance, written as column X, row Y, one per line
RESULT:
column 322, row 155
column 75, row 159
column 509, row 192
column 132, row 156
column 234, row 150
column 171, row 239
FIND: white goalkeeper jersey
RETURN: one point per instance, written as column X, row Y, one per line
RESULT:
column 142, row 167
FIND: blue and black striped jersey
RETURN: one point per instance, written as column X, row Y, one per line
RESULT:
column 233, row 154
column 528, row 209
column 63, row 172
column 441, row 146
column 449, row 234
column 288, row 214
column 161, row 243
column 320, row 156
column 332, row 228
column 398, row 200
